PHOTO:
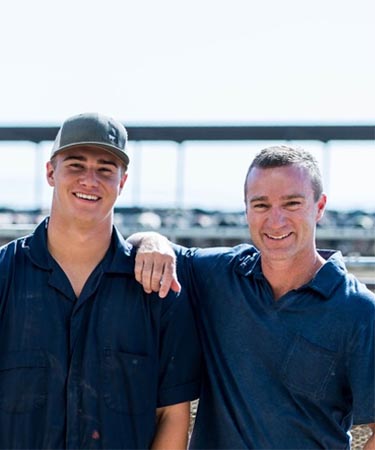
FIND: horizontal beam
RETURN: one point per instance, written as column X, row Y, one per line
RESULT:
column 239, row 233
column 322, row 133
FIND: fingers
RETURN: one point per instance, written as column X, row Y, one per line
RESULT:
column 148, row 271
column 138, row 272
column 155, row 270
column 157, row 273
column 169, row 282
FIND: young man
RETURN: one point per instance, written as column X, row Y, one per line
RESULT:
column 87, row 359
column 288, row 335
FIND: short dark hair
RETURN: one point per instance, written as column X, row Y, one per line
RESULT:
column 283, row 155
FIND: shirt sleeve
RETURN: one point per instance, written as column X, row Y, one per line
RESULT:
column 361, row 369
column 180, row 352
column 6, row 264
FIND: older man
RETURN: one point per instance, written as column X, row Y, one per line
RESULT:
column 288, row 335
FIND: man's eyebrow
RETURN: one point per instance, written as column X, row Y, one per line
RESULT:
column 108, row 161
column 293, row 196
column 264, row 198
column 99, row 161
column 69, row 157
column 258, row 198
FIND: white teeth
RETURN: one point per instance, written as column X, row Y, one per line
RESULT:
column 86, row 196
column 278, row 238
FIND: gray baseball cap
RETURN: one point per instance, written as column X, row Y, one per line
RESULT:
column 92, row 129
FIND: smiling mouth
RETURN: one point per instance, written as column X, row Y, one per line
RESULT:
column 278, row 238
column 92, row 198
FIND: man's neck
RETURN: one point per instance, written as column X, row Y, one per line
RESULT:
column 78, row 250
column 285, row 275
column 81, row 239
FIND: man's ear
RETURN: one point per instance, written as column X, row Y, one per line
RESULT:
column 122, row 182
column 50, row 172
column 321, row 207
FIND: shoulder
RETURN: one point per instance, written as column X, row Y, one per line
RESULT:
column 215, row 258
column 359, row 295
column 238, row 251
column 123, row 253
column 354, row 299
column 11, row 259
column 9, row 251
column 337, row 282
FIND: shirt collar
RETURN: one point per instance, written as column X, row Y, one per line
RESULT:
column 330, row 275
column 121, row 255
column 35, row 246
column 249, row 262
column 324, row 282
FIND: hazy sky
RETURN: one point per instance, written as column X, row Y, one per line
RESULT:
column 190, row 62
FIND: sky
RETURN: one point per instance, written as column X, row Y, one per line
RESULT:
column 196, row 62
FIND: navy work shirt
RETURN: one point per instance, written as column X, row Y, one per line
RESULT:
column 87, row 372
column 285, row 374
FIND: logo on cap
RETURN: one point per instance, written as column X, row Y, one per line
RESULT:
column 113, row 135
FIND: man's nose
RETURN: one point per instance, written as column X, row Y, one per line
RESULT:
column 276, row 217
column 89, row 177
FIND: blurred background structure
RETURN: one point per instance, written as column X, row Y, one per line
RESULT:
column 353, row 232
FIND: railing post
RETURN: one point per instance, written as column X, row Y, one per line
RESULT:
column 38, row 179
column 136, row 163
column 180, row 178
column 327, row 168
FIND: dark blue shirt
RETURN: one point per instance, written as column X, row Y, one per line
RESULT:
column 87, row 372
column 286, row 374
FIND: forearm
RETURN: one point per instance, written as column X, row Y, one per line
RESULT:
column 172, row 427
column 370, row 444
column 147, row 239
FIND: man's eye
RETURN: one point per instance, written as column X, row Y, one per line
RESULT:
column 107, row 170
column 75, row 165
column 293, row 204
column 259, row 206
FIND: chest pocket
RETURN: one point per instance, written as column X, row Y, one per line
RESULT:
column 23, row 381
column 128, row 382
column 308, row 368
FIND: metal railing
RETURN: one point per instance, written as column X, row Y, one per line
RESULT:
column 361, row 266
